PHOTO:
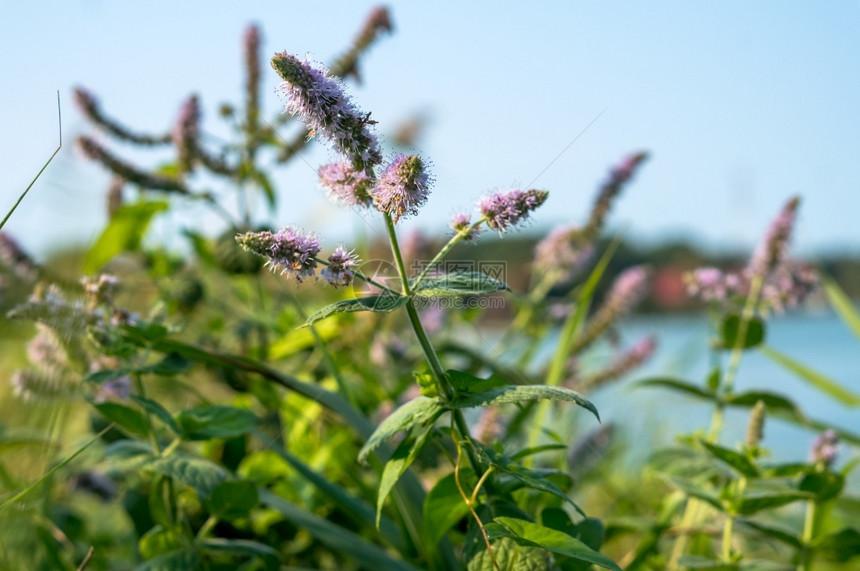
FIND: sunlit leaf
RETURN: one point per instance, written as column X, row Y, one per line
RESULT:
column 123, row 233
column 201, row 474
column 377, row 303
column 458, row 284
column 421, row 410
column 521, row 394
column 528, row 533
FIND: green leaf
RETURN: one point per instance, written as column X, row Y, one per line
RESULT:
column 233, row 499
column 181, row 560
column 777, row 404
column 528, row 533
column 754, row 503
column 159, row 411
column 527, row 477
column 403, row 457
column 444, row 506
column 458, row 284
column 843, row 305
column 100, row 377
column 127, row 418
column 680, row 386
column 526, row 452
column 201, row 474
column 243, row 547
column 730, row 331
column 471, row 384
column 378, row 303
column 824, row 485
column 821, row 382
column 699, row 562
column 172, row 364
column 696, row 492
column 733, row 458
column 785, row 535
column 123, row 233
column 840, row 545
column 420, row 410
column 211, row 421
column 335, row 537
column 159, row 540
column 520, row 394
column 509, row 555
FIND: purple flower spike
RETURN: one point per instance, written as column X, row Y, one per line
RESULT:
column 288, row 251
column 824, row 448
column 322, row 103
column 462, row 221
column 402, row 187
column 774, row 248
column 338, row 272
column 186, row 132
column 345, row 184
column 504, row 210
column 628, row 289
column 556, row 253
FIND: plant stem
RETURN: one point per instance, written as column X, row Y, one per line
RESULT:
column 445, row 388
column 445, row 249
column 809, row 533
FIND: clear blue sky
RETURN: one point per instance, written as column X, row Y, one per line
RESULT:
column 741, row 104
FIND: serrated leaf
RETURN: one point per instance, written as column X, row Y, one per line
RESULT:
column 159, row 411
column 201, row 474
column 377, row 303
column 124, row 232
column 520, row 394
column 444, row 506
column 471, row 384
column 233, row 499
column 420, row 410
column 404, row 455
column 510, row 556
column 821, row 382
column 458, row 284
column 532, row 534
column 733, row 458
column 127, row 418
column 528, row 477
column 730, row 330
column 678, row 385
column 215, row 421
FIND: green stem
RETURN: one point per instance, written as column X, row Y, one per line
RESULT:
column 809, row 533
column 445, row 249
column 206, row 528
column 445, row 387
